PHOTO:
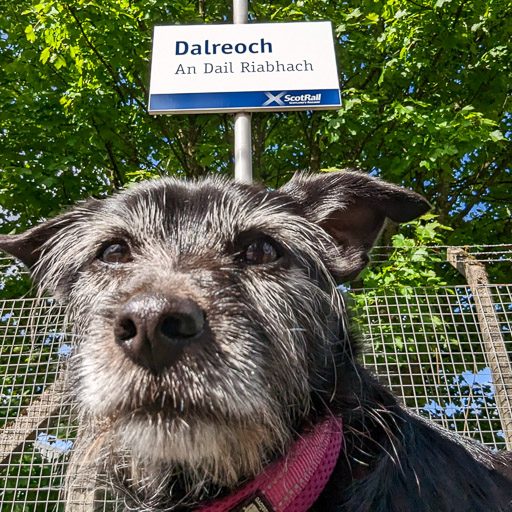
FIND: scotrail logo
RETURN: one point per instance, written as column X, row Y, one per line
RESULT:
column 283, row 99
column 274, row 99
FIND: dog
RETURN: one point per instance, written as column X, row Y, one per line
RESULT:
column 215, row 369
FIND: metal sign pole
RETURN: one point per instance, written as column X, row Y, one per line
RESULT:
column 243, row 140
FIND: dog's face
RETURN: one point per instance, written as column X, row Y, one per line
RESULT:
column 206, row 313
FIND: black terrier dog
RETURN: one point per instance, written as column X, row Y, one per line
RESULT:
column 214, row 368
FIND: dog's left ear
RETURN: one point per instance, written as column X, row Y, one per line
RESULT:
column 29, row 246
column 352, row 207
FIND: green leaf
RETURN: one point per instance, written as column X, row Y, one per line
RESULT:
column 59, row 62
column 30, row 34
column 45, row 55
column 355, row 13
column 496, row 136
column 372, row 17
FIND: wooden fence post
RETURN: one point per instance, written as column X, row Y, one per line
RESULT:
column 38, row 416
column 494, row 344
column 81, row 478
column 34, row 418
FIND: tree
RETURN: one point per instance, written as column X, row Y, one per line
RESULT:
column 426, row 89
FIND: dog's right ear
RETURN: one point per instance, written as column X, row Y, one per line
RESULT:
column 30, row 245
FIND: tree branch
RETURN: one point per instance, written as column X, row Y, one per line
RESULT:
column 106, row 65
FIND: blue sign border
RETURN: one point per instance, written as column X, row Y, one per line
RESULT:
column 260, row 100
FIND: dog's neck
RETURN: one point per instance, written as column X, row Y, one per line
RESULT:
column 293, row 483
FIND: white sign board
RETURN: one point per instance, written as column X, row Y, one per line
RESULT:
column 249, row 67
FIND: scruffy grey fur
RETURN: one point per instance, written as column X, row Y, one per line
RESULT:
column 178, row 422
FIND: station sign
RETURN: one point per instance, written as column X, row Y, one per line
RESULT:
column 248, row 67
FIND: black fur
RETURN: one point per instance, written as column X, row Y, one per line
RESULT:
column 396, row 461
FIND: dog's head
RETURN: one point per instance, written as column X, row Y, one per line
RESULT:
column 206, row 312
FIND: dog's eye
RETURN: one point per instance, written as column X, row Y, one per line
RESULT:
column 260, row 252
column 116, row 253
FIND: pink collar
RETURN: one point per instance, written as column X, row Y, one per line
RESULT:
column 293, row 483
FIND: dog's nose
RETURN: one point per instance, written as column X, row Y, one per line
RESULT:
column 154, row 329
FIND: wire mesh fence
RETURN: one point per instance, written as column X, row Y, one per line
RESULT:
column 493, row 254
column 428, row 348
column 430, row 345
